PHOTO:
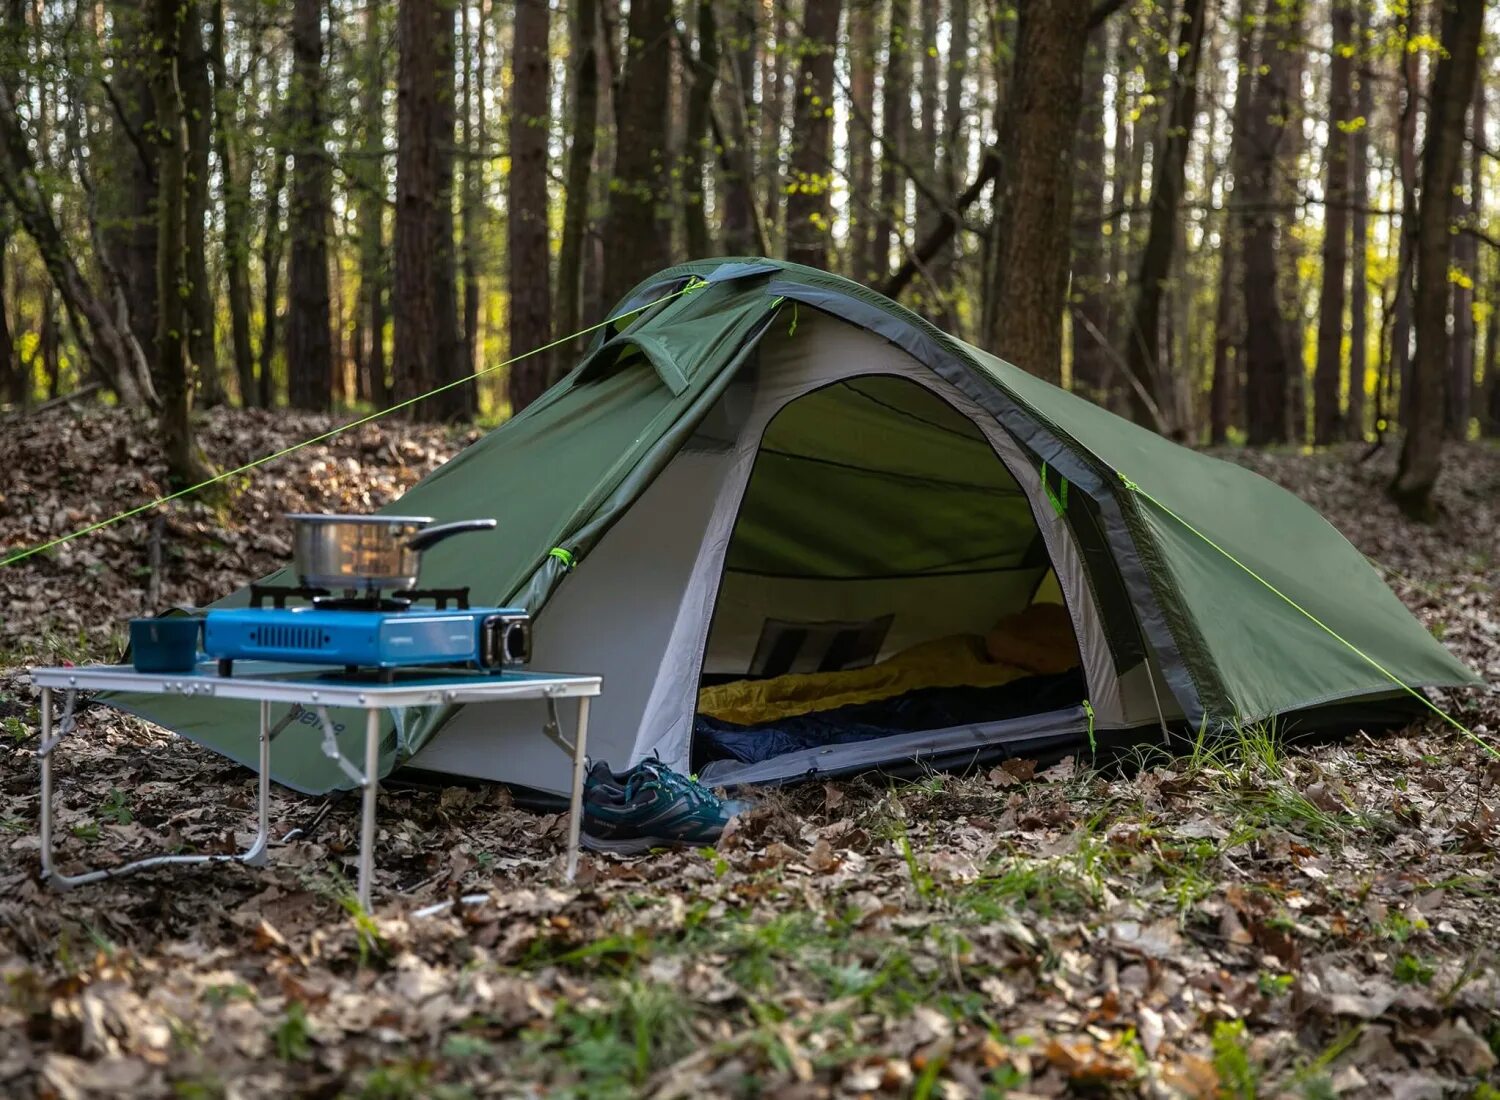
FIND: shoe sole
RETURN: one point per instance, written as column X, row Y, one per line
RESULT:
column 635, row 846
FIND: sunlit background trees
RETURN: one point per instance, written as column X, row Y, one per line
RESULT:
column 1232, row 220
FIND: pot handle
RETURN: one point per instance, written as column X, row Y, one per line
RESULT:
column 429, row 536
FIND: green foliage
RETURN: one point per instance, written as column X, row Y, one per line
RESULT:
column 1238, row 1078
column 921, row 881
column 613, row 1049
column 1413, row 970
column 1047, row 886
column 218, row 995
column 198, row 1088
column 461, row 1045
column 115, row 807
column 409, row 1080
column 1274, row 985
column 1398, row 927
column 292, row 1036
column 719, row 864
column 367, row 933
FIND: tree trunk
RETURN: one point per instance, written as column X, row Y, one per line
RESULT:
column 1229, row 344
column 526, row 224
column 1490, row 424
column 1328, row 413
column 309, row 346
column 740, row 221
column 427, row 348
column 234, row 191
column 1359, row 241
column 637, row 230
column 1452, row 89
column 810, row 177
column 1168, row 176
column 703, row 73
column 1288, row 195
column 924, row 144
column 168, row 27
column 955, row 144
column 1465, row 277
column 895, row 125
column 1124, row 191
column 773, row 118
column 1034, row 194
column 594, row 264
column 1269, row 361
column 863, row 48
column 126, row 171
column 370, row 215
column 584, row 62
column 198, row 102
column 50, row 341
column 270, row 262
column 1092, row 356
column 13, row 387
column 1408, row 27
column 471, row 209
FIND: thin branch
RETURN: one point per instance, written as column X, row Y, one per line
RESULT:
column 136, row 140
column 947, row 225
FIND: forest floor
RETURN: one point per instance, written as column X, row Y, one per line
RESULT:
column 1244, row 920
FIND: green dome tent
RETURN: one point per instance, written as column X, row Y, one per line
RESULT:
column 775, row 472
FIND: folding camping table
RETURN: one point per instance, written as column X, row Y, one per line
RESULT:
column 309, row 689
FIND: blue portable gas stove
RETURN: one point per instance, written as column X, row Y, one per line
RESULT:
column 368, row 633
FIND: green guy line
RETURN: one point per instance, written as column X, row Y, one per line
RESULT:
column 22, row 555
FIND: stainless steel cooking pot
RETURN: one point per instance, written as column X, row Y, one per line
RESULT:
column 367, row 553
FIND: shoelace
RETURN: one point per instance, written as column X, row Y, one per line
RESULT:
column 667, row 780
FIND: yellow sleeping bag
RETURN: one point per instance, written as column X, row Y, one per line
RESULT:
column 1036, row 641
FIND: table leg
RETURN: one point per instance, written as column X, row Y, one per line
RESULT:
column 45, row 753
column 255, row 855
column 580, row 757
column 367, row 818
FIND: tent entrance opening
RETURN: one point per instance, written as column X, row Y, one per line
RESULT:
column 885, row 575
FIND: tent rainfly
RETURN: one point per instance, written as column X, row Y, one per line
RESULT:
column 800, row 531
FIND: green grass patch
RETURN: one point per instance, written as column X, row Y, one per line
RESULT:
column 1238, row 1077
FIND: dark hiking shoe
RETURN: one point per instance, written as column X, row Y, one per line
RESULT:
column 650, row 806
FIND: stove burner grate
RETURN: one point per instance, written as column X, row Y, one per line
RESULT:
column 278, row 594
column 361, row 603
column 322, row 598
column 438, row 596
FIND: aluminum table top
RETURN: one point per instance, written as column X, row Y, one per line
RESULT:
column 322, row 684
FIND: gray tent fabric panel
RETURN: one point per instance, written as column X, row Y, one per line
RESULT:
column 1100, row 670
column 614, row 615
column 1017, row 735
